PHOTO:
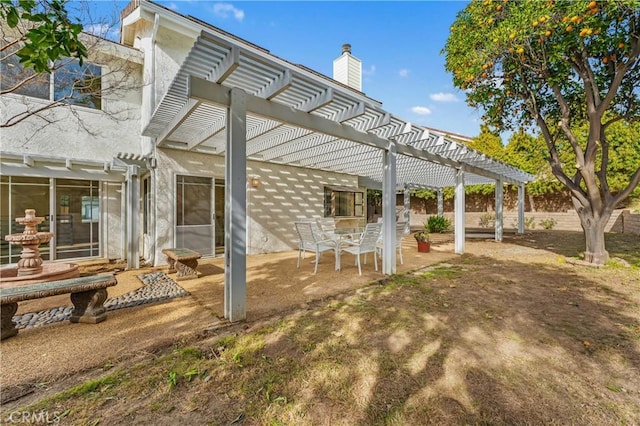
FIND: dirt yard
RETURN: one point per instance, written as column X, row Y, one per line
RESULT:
column 508, row 333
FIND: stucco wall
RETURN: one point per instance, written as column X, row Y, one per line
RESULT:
column 284, row 194
column 76, row 132
column 171, row 50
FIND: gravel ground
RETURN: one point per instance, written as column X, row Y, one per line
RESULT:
column 157, row 287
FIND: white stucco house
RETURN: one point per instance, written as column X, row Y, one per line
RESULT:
column 212, row 143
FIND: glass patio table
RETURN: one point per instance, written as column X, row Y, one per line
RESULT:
column 341, row 236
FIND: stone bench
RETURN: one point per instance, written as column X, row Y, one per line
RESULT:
column 88, row 295
column 184, row 261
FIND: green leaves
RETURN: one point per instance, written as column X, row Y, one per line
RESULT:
column 50, row 33
column 516, row 59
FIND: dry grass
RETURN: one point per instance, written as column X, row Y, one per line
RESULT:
column 506, row 334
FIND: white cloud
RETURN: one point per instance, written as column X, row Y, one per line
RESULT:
column 443, row 97
column 403, row 72
column 225, row 10
column 103, row 30
column 369, row 72
column 421, row 110
column 172, row 6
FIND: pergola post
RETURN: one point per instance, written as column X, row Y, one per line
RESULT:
column 235, row 271
column 499, row 224
column 389, row 209
column 133, row 211
column 521, row 209
column 459, row 234
column 407, row 209
column 440, row 203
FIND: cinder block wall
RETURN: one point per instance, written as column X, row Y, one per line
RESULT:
column 567, row 221
column 630, row 222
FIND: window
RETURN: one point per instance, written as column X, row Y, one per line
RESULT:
column 79, row 84
column 13, row 73
column 70, row 82
column 343, row 201
column 90, row 209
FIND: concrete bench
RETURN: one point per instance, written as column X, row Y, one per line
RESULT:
column 88, row 295
column 184, row 261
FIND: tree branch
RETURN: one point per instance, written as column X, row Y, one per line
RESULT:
column 620, row 71
column 28, row 113
column 635, row 180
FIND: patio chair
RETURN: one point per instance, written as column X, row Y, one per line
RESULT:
column 366, row 244
column 310, row 240
column 327, row 226
column 399, row 237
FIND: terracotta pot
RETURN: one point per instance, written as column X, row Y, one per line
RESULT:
column 424, row 246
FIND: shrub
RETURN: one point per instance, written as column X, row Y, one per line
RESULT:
column 423, row 236
column 486, row 220
column 529, row 223
column 438, row 224
column 548, row 223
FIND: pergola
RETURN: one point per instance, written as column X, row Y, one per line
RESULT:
column 235, row 99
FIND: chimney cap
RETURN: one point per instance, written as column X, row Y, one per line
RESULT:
column 346, row 48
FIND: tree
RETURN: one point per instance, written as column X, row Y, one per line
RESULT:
column 42, row 46
column 487, row 142
column 46, row 32
column 557, row 65
column 527, row 152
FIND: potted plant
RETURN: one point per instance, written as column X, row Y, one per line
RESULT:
column 424, row 241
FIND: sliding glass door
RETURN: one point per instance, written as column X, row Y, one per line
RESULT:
column 73, row 204
column 16, row 195
column 77, row 219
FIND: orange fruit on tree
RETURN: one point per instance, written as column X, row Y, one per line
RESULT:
column 621, row 45
column 569, row 28
column 592, row 5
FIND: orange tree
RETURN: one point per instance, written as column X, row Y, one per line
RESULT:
column 556, row 65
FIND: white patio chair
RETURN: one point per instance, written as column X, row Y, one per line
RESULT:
column 327, row 226
column 399, row 237
column 366, row 244
column 310, row 240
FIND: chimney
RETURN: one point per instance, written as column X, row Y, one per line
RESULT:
column 347, row 69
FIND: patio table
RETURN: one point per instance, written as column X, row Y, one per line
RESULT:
column 342, row 236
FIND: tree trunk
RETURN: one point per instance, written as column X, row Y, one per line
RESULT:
column 593, row 227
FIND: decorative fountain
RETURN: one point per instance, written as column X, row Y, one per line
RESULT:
column 30, row 268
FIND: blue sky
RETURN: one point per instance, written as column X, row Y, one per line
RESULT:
column 399, row 44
